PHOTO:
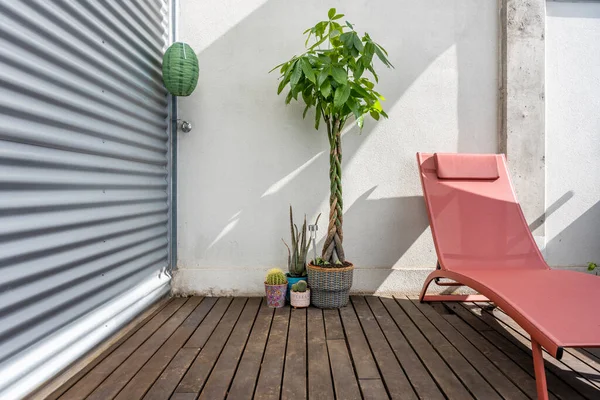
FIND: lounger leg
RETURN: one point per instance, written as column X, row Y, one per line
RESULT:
column 540, row 373
column 423, row 297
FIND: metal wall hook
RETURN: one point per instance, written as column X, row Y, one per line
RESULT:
column 184, row 126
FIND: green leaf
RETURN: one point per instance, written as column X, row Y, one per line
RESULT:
column 592, row 266
column 353, row 105
column 362, row 92
column 347, row 39
column 357, row 43
column 374, row 74
column 281, row 86
column 382, row 57
column 340, row 75
column 360, row 121
column 296, row 75
column 341, row 96
column 288, row 98
column 338, row 16
column 322, row 77
column 358, row 71
column 349, row 25
column 331, row 13
column 374, row 115
column 308, row 71
column 305, row 111
column 325, row 89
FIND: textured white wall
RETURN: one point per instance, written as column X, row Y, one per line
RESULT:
column 249, row 156
column 573, row 133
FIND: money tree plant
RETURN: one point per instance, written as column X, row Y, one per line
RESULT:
column 331, row 77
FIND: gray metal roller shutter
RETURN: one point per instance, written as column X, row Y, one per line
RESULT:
column 84, row 150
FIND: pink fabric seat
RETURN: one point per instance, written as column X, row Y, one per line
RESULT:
column 483, row 241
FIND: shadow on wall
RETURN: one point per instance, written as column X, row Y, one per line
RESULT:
column 249, row 155
column 577, row 244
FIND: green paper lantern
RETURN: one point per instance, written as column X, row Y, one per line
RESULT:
column 180, row 69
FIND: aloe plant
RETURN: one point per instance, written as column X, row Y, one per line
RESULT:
column 299, row 247
column 329, row 76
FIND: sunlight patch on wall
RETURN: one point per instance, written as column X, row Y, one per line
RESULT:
column 280, row 184
column 215, row 18
column 233, row 221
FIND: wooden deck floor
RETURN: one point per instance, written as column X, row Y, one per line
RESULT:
column 375, row 348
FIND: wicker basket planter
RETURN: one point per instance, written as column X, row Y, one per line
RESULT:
column 300, row 299
column 275, row 295
column 330, row 287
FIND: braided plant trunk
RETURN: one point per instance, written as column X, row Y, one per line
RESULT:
column 332, row 248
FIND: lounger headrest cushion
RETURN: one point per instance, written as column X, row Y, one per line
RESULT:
column 466, row 166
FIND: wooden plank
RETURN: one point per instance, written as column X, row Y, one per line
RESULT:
column 53, row 389
column 222, row 374
column 373, row 389
column 294, row 374
column 170, row 377
column 320, row 385
column 587, row 357
column 510, row 368
column 333, row 325
column 183, row 396
column 344, row 380
column 461, row 367
column 271, row 373
column 392, row 373
column 119, row 378
column 522, row 356
column 99, row 373
column 568, row 373
column 205, row 330
column 485, row 367
column 244, row 381
column 362, row 358
column 143, row 380
column 413, row 367
column 448, row 382
column 195, row 378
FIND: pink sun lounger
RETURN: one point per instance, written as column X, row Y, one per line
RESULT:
column 483, row 241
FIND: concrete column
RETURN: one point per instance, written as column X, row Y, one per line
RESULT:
column 522, row 101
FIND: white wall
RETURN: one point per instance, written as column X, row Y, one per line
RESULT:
column 573, row 133
column 249, row 156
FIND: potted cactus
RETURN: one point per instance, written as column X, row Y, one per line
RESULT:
column 275, row 288
column 297, row 253
column 300, row 295
column 331, row 77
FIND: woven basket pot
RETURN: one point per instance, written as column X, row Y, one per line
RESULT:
column 300, row 299
column 330, row 287
column 275, row 295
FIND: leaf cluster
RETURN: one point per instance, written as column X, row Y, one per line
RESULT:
column 330, row 74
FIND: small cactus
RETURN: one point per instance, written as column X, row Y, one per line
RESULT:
column 299, row 286
column 275, row 276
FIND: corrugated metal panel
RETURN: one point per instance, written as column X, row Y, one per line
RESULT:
column 84, row 161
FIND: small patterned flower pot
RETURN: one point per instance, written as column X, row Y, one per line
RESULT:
column 291, row 281
column 300, row 299
column 275, row 295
